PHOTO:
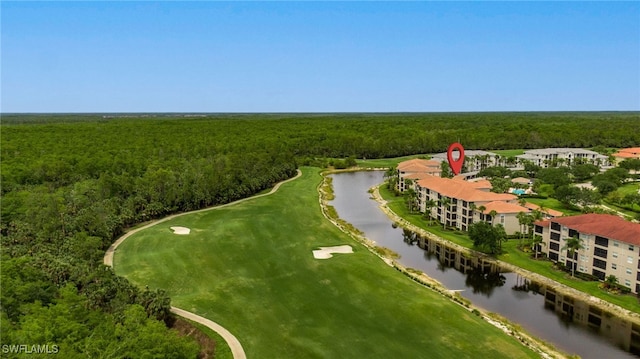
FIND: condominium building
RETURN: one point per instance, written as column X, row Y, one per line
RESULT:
column 415, row 169
column 627, row 153
column 476, row 160
column 551, row 157
column 459, row 203
column 611, row 246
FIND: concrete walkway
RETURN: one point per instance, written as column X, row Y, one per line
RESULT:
column 232, row 341
column 236, row 348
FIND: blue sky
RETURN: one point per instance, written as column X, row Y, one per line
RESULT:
column 319, row 56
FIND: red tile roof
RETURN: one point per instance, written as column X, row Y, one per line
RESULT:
column 544, row 223
column 466, row 191
column 550, row 212
column 417, row 175
column 633, row 152
column 604, row 225
column 504, row 207
column 625, row 155
column 419, row 165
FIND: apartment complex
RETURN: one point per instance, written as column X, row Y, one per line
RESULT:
column 459, row 203
column 552, row 157
column 611, row 246
column 415, row 169
column 627, row 153
column 475, row 160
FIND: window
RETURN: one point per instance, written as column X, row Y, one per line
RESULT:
column 598, row 274
column 601, row 241
column 614, row 266
column 538, row 229
column 573, row 233
column 599, row 252
column 599, row 263
column 554, row 256
column 554, row 246
column 631, row 247
column 627, row 283
column 555, row 236
column 628, row 270
column 502, row 218
column 555, row 226
column 615, row 244
column 629, row 260
column 615, row 254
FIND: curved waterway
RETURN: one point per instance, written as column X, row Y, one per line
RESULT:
column 570, row 325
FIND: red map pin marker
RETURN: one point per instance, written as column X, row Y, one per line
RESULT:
column 455, row 164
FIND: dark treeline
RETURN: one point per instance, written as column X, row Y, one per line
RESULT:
column 72, row 183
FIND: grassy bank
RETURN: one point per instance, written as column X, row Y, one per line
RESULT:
column 511, row 255
column 250, row 268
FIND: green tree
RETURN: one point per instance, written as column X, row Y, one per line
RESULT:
column 536, row 242
column 631, row 164
column 500, row 185
column 523, row 218
column 573, row 245
column 445, row 202
column 583, row 172
column 391, row 176
column 632, row 199
column 446, row 171
column 611, row 281
column 428, row 205
column 487, row 237
column 558, row 176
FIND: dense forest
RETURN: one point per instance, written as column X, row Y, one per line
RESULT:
column 71, row 184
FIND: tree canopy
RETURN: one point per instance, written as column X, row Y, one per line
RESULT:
column 72, row 183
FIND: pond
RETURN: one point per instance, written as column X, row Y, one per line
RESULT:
column 569, row 324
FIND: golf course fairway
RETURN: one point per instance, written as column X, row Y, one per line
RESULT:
column 250, row 267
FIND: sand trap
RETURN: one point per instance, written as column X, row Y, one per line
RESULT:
column 326, row 252
column 181, row 230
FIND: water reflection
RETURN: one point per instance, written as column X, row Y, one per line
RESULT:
column 569, row 324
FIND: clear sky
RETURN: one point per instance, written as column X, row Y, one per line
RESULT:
column 319, row 56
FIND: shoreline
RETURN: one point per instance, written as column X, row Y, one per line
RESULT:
column 550, row 283
column 539, row 346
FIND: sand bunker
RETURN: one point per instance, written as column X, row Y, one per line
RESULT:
column 181, row 230
column 326, row 252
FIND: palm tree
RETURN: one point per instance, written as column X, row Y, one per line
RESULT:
column 445, row 202
column 391, row 176
column 481, row 209
column 611, row 281
column 411, row 195
column 522, row 220
column 428, row 205
column 473, row 208
column 573, row 244
column 537, row 240
column 493, row 214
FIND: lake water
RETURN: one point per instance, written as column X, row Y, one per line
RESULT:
column 570, row 325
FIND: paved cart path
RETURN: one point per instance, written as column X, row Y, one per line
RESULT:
column 233, row 342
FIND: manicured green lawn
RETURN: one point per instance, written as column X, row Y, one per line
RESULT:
column 250, row 268
column 629, row 210
column 552, row 203
column 387, row 162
